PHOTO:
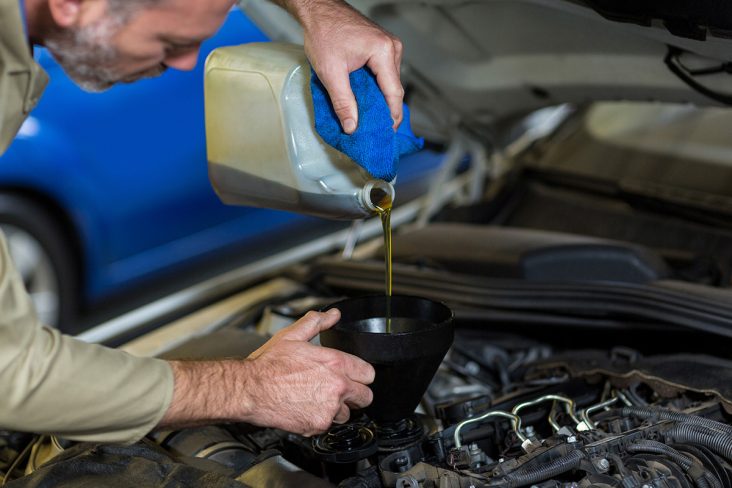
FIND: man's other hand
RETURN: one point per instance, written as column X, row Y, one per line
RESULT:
column 288, row 384
column 304, row 388
column 338, row 41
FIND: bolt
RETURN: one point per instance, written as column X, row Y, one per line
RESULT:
column 530, row 431
column 407, row 482
column 602, row 464
column 401, row 464
column 472, row 367
column 571, row 439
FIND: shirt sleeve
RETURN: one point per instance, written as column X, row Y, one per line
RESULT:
column 54, row 384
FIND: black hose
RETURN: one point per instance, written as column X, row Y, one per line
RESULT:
column 702, row 477
column 531, row 475
column 661, row 448
column 720, row 443
column 663, row 414
column 702, row 483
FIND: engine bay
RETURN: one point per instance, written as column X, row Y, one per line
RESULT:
column 503, row 411
column 577, row 362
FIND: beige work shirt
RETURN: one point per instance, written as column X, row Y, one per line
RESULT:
column 49, row 382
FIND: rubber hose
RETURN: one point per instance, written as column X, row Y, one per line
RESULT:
column 543, row 472
column 661, row 448
column 702, row 477
column 718, row 442
column 663, row 414
column 702, row 483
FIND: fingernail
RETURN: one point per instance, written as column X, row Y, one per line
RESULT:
column 333, row 311
column 349, row 125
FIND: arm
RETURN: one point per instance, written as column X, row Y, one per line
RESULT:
column 51, row 383
column 287, row 383
column 338, row 41
column 55, row 384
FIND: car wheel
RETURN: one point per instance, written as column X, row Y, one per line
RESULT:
column 42, row 256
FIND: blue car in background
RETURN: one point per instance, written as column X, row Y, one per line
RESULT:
column 102, row 192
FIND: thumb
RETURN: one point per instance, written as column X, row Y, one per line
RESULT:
column 312, row 324
column 338, row 85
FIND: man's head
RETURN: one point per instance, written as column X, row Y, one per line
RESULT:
column 102, row 42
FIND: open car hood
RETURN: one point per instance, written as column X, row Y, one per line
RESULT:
column 474, row 63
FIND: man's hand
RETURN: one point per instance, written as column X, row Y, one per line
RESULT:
column 338, row 41
column 288, row 384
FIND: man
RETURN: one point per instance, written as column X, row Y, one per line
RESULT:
column 52, row 383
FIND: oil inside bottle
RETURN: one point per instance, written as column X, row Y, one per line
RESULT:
column 383, row 207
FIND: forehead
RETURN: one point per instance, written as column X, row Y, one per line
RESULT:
column 194, row 19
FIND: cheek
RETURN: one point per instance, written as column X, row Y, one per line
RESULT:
column 137, row 50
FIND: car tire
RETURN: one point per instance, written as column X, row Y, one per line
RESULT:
column 43, row 256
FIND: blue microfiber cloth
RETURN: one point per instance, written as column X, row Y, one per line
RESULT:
column 374, row 145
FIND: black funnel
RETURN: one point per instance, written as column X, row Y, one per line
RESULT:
column 406, row 359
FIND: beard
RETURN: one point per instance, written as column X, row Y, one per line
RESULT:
column 88, row 56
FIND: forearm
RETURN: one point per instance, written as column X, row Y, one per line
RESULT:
column 310, row 12
column 207, row 392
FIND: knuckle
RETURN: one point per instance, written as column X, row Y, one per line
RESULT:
column 340, row 386
column 370, row 373
column 326, row 70
column 332, row 358
column 338, row 361
column 387, row 45
column 341, row 105
column 311, row 316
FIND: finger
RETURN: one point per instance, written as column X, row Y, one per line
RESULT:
column 358, row 396
column 344, row 413
column 358, row 370
column 338, row 84
column 387, row 77
column 311, row 325
column 399, row 47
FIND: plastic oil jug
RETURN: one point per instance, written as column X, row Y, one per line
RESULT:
column 263, row 150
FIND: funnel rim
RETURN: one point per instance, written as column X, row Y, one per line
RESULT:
column 447, row 322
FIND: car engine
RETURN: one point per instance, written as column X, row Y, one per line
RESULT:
column 503, row 411
column 549, row 384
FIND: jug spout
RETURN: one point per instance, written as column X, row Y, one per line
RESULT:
column 377, row 195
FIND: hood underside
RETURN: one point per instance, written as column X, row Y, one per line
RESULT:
column 479, row 62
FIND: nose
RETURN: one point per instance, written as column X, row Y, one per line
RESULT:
column 183, row 61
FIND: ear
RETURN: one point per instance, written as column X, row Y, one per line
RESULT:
column 65, row 13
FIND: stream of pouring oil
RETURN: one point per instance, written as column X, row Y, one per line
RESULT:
column 384, row 209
